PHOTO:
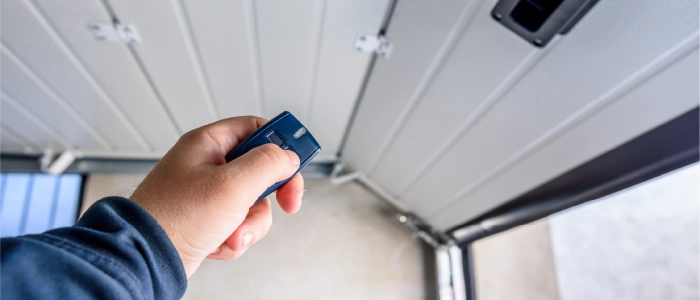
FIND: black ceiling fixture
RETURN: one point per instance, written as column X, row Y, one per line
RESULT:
column 538, row 21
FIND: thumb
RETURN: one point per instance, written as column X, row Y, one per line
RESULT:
column 252, row 173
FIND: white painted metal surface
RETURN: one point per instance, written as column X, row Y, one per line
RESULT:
column 465, row 118
column 198, row 61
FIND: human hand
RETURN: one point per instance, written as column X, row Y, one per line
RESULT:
column 207, row 206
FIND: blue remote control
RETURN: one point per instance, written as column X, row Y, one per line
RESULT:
column 286, row 132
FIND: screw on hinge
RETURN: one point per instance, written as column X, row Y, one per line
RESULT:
column 537, row 42
column 402, row 218
column 498, row 16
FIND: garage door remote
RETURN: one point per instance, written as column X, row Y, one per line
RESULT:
column 286, row 132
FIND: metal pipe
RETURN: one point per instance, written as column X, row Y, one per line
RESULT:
column 450, row 274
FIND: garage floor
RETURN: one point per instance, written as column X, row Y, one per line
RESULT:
column 343, row 244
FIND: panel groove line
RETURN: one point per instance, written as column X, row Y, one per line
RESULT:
column 319, row 16
column 34, row 119
column 54, row 96
column 10, row 145
column 633, row 81
column 18, row 138
column 448, row 46
column 29, row 115
column 286, row 35
column 341, row 71
column 133, row 56
column 253, row 49
column 195, row 56
column 225, row 53
column 168, row 55
column 529, row 62
column 419, row 30
column 49, row 28
column 137, row 60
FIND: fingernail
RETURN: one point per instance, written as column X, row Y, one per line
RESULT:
column 218, row 249
column 293, row 156
column 247, row 238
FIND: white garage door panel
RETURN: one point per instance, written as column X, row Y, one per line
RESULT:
column 12, row 143
column 225, row 35
column 472, row 79
column 673, row 91
column 340, row 71
column 198, row 61
column 423, row 33
column 170, row 58
column 19, row 121
column 496, row 100
column 27, row 34
column 113, row 67
column 288, row 36
column 573, row 75
column 46, row 107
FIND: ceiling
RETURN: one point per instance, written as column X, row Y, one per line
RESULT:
column 466, row 115
column 199, row 61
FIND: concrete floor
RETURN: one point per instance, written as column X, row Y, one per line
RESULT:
column 343, row 244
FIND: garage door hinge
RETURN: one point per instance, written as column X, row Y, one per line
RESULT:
column 115, row 33
column 374, row 43
column 425, row 232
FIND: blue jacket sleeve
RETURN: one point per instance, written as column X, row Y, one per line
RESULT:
column 115, row 251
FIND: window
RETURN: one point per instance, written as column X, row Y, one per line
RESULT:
column 34, row 203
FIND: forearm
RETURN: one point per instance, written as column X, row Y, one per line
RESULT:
column 116, row 251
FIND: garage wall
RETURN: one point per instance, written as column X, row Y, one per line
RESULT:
column 466, row 115
column 199, row 61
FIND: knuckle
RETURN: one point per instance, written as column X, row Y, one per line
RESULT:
column 193, row 135
column 271, row 154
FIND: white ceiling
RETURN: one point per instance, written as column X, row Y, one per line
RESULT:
column 199, row 61
column 466, row 115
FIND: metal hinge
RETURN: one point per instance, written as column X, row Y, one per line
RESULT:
column 115, row 33
column 425, row 232
column 374, row 43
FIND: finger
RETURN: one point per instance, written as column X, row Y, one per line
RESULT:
column 253, row 228
column 289, row 195
column 226, row 134
column 225, row 253
column 249, row 175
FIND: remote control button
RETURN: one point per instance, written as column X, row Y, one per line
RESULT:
column 275, row 138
